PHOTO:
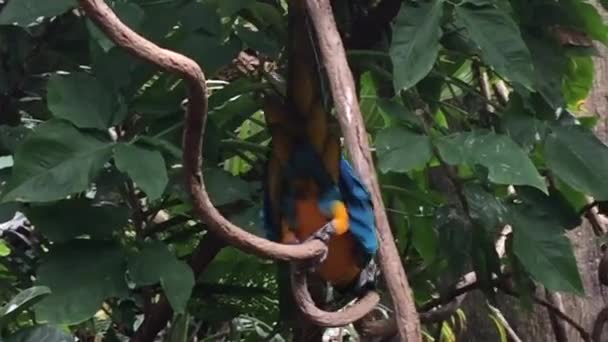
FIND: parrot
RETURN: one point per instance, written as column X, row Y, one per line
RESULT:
column 310, row 190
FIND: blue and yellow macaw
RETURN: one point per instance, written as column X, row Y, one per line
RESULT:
column 310, row 189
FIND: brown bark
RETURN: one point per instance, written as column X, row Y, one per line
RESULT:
column 323, row 318
column 351, row 121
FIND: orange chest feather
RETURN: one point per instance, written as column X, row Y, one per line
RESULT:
column 340, row 267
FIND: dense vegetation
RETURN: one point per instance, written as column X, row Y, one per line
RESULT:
column 474, row 109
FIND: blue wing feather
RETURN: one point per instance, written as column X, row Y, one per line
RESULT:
column 360, row 210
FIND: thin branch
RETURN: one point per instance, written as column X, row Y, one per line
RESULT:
column 196, row 116
column 322, row 318
column 501, row 318
column 352, row 125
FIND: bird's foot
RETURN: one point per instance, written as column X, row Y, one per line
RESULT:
column 324, row 234
column 367, row 278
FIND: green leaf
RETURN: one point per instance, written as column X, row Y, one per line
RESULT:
column 146, row 167
column 179, row 328
column 555, row 206
column 21, row 302
column 55, row 161
column 81, row 99
column 542, row 248
column 415, row 42
column 455, row 239
column 40, row 333
column 500, row 42
column 424, row 238
column 506, row 162
column 249, row 219
column 210, row 52
column 584, row 16
column 579, row 158
column 400, row 150
column 67, row 219
column 4, row 249
column 197, row 15
column 522, row 127
column 230, row 7
column 7, row 210
column 372, row 113
column 225, row 188
column 96, row 272
column 578, row 80
column 259, row 41
column 549, row 68
column 24, row 12
column 485, row 208
column 155, row 263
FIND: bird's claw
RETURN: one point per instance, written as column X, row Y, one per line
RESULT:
column 324, row 234
column 367, row 277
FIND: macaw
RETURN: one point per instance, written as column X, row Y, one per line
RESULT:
column 310, row 189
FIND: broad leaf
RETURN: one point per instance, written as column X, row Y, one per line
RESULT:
column 210, row 52
column 55, row 161
column 7, row 210
column 205, row 16
column 22, row 301
column 39, row 333
column 96, row 272
column 579, row 158
column 154, row 264
column 506, row 162
column 455, row 239
column 549, row 67
column 584, row 16
column 24, row 12
column 67, row 219
column 578, row 80
column 484, row 207
column 5, row 250
column 83, row 100
column 225, row 188
column 415, row 42
column 369, row 102
column 499, row 40
column 146, row 167
column 554, row 207
column 543, row 249
column 400, row 150
column 230, row 7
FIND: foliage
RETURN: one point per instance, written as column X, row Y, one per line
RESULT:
column 90, row 146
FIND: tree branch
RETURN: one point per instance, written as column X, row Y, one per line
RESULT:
column 196, row 116
column 322, row 318
column 352, row 125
